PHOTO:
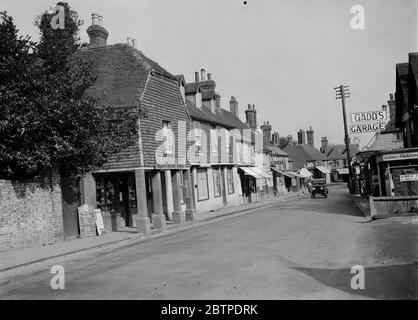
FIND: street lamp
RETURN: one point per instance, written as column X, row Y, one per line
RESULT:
column 342, row 92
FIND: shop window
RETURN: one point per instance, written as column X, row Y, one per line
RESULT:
column 202, row 184
column 230, row 179
column 217, row 182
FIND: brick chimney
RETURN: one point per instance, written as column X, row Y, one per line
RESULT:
column 251, row 115
column 203, row 75
column 301, row 137
column 310, row 136
column 324, row 144
column 275, row 138
column 196, row 76
column 266, row 128
column 233, row 105
column 97, row 33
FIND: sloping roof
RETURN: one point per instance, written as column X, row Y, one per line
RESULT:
column 192, row 87
column 386, row 141
column 338, row 151
column 413, row 61
column 302, row 153
column 402, row 80
column 275, row 150
column 121, row 72
column 180, row 79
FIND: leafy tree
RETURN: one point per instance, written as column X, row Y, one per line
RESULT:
column 46, row 118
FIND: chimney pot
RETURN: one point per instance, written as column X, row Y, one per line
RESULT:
column 196, row 76
column 101, row 21
column 203, row 74
column 94, row 19
column 209, row 76
column 134, row 43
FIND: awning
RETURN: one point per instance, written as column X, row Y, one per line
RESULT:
column 260, row 172
column 295, row 174
column 289, row 174
column 250, row 172
column 343, row 171
column 322, row 169
column 304, row 173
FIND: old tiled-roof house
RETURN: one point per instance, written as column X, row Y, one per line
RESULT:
column 142, row 183
column 221, row 146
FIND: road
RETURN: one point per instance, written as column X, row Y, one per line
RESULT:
column 296, row 249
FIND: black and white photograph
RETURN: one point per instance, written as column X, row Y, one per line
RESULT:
column 208, row 155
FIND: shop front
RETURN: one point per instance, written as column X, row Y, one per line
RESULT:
column 390, row 173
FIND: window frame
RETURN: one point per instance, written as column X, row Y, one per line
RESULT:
column 214, row 183
column 197, row 184
column 230, row 183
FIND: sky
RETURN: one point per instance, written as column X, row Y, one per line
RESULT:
column 284, row 56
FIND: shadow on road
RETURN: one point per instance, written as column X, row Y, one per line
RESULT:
column 383, row 282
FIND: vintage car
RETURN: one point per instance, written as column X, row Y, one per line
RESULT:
column 319, row 186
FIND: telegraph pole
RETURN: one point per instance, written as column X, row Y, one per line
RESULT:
column 342, row 92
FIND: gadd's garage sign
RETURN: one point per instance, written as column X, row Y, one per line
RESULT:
column 369, row 121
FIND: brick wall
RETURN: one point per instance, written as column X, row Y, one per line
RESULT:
column 30, row 212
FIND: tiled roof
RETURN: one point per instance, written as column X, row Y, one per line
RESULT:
column 180, row 79
column 121, row 72
column 275, row 150
column 302, row 153
column 338, row 151
column 192, row 87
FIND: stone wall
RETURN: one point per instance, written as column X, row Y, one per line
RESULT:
column 31, row 212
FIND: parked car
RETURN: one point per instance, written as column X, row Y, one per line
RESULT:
column 319, row 186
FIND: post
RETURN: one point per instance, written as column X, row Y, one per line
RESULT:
column 169, row 194
column 143, row 224
column 190, row 212
column 178, row 214
column 158, row 217
column 347, row 141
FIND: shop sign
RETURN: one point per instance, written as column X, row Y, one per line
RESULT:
column 367, row 127
column 400, row 156
column 369, row 116
column 408, row 177
column 368, row 121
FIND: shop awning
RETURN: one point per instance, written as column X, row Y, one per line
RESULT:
column 343, row 171
column 249, row 172
column 322, row 169
column 289, row 174
column 260, row 172
column 295, row 174
column 305, row 173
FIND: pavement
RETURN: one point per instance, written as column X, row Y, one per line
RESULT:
column 23, row 257
column 300, row 249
